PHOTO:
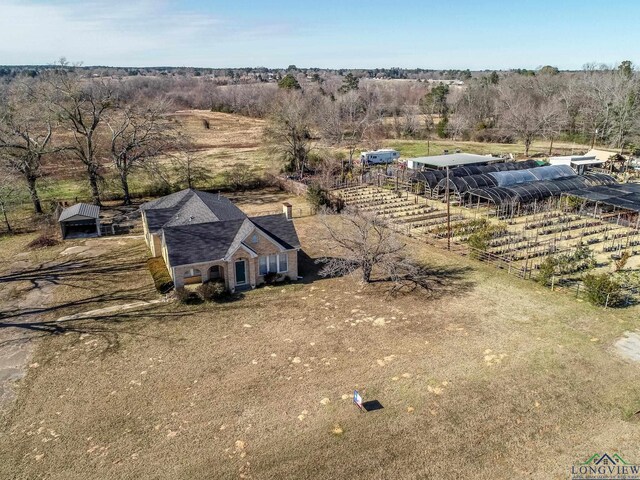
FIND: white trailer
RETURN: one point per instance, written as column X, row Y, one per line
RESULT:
column 379, row 157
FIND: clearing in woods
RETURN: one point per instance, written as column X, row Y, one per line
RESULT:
column 486, row 377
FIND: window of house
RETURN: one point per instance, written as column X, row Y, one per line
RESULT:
column 278, row 263
column 192, row 272
column 283, row 262
column 264, row 266
column 273, row 263
column 254, row 239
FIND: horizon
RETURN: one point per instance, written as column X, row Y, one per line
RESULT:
column 493, row 35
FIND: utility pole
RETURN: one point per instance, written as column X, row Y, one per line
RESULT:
column 448, row 213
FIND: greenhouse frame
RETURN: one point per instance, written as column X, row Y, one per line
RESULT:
column 622, row 196
column 434, row 181
column 517, row 189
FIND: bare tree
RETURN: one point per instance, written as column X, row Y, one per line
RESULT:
column 25, row 137
column 188, row 166
column 522, row 113
column 81, row 106
column 139, row 133
column 368, row 245
column 346, row 120
column 289, row 130
column 9, row 195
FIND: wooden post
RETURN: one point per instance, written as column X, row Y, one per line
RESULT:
column 448, row 214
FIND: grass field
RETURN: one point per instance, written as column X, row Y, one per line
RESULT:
column 484, row 377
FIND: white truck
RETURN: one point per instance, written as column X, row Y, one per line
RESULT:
column 379, row 157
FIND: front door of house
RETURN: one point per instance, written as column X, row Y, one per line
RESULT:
column 241, row 272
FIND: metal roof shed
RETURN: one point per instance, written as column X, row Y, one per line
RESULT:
column 452, row 160
column 79, row 221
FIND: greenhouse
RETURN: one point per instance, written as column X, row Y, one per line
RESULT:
column 461, row 185
column 625, row 196
column 434, row 180
column 513, row 190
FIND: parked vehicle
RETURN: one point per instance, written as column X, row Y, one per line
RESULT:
column 379, row 157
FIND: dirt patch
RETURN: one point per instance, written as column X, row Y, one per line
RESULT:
column 629, row 346
column 74, row 250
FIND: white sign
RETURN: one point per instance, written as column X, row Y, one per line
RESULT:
column 357, row 399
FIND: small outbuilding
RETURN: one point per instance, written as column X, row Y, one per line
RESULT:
column 453, row 160
column 80, row 221
column 580, row 163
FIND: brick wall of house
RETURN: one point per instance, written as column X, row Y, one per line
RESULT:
column 263, row 247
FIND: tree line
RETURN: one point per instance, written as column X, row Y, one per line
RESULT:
column 597, row 105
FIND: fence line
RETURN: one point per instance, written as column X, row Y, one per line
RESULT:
column 575, row 288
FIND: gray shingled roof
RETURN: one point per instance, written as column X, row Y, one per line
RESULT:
column 189, row 207
column 82, row 209
column 201, row 227
column 201, row 242
column 168, row 201
column 204, row 242
column 278, row 228
column 192, row 212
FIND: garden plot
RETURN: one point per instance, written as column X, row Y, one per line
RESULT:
column 522, row 242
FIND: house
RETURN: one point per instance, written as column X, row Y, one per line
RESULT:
column 203, row 236
column 80, row 221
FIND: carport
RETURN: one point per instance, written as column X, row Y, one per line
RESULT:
column 80, row 221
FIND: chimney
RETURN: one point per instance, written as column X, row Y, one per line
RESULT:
column 287, row 209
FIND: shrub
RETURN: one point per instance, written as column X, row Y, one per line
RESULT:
column 44, row 240
column 213, row 291
column 271, row 278
column 483, row 232
column 317, row 196
column 239, row 177
column 620, row 263
column 442, row 127
column 160, row 274
column 157, row 189
column 479, row 242
column 187, row 297
column 601, row 289
column 547, row 270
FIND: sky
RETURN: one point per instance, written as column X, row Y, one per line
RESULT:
column 474, row 34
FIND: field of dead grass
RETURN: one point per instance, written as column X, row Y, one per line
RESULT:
column 485, row 377
column 230, row 139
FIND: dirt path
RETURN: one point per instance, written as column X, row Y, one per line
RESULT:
column 16, row 344
column 108, row 310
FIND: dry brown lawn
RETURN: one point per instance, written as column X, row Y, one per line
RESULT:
column 486, row 377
